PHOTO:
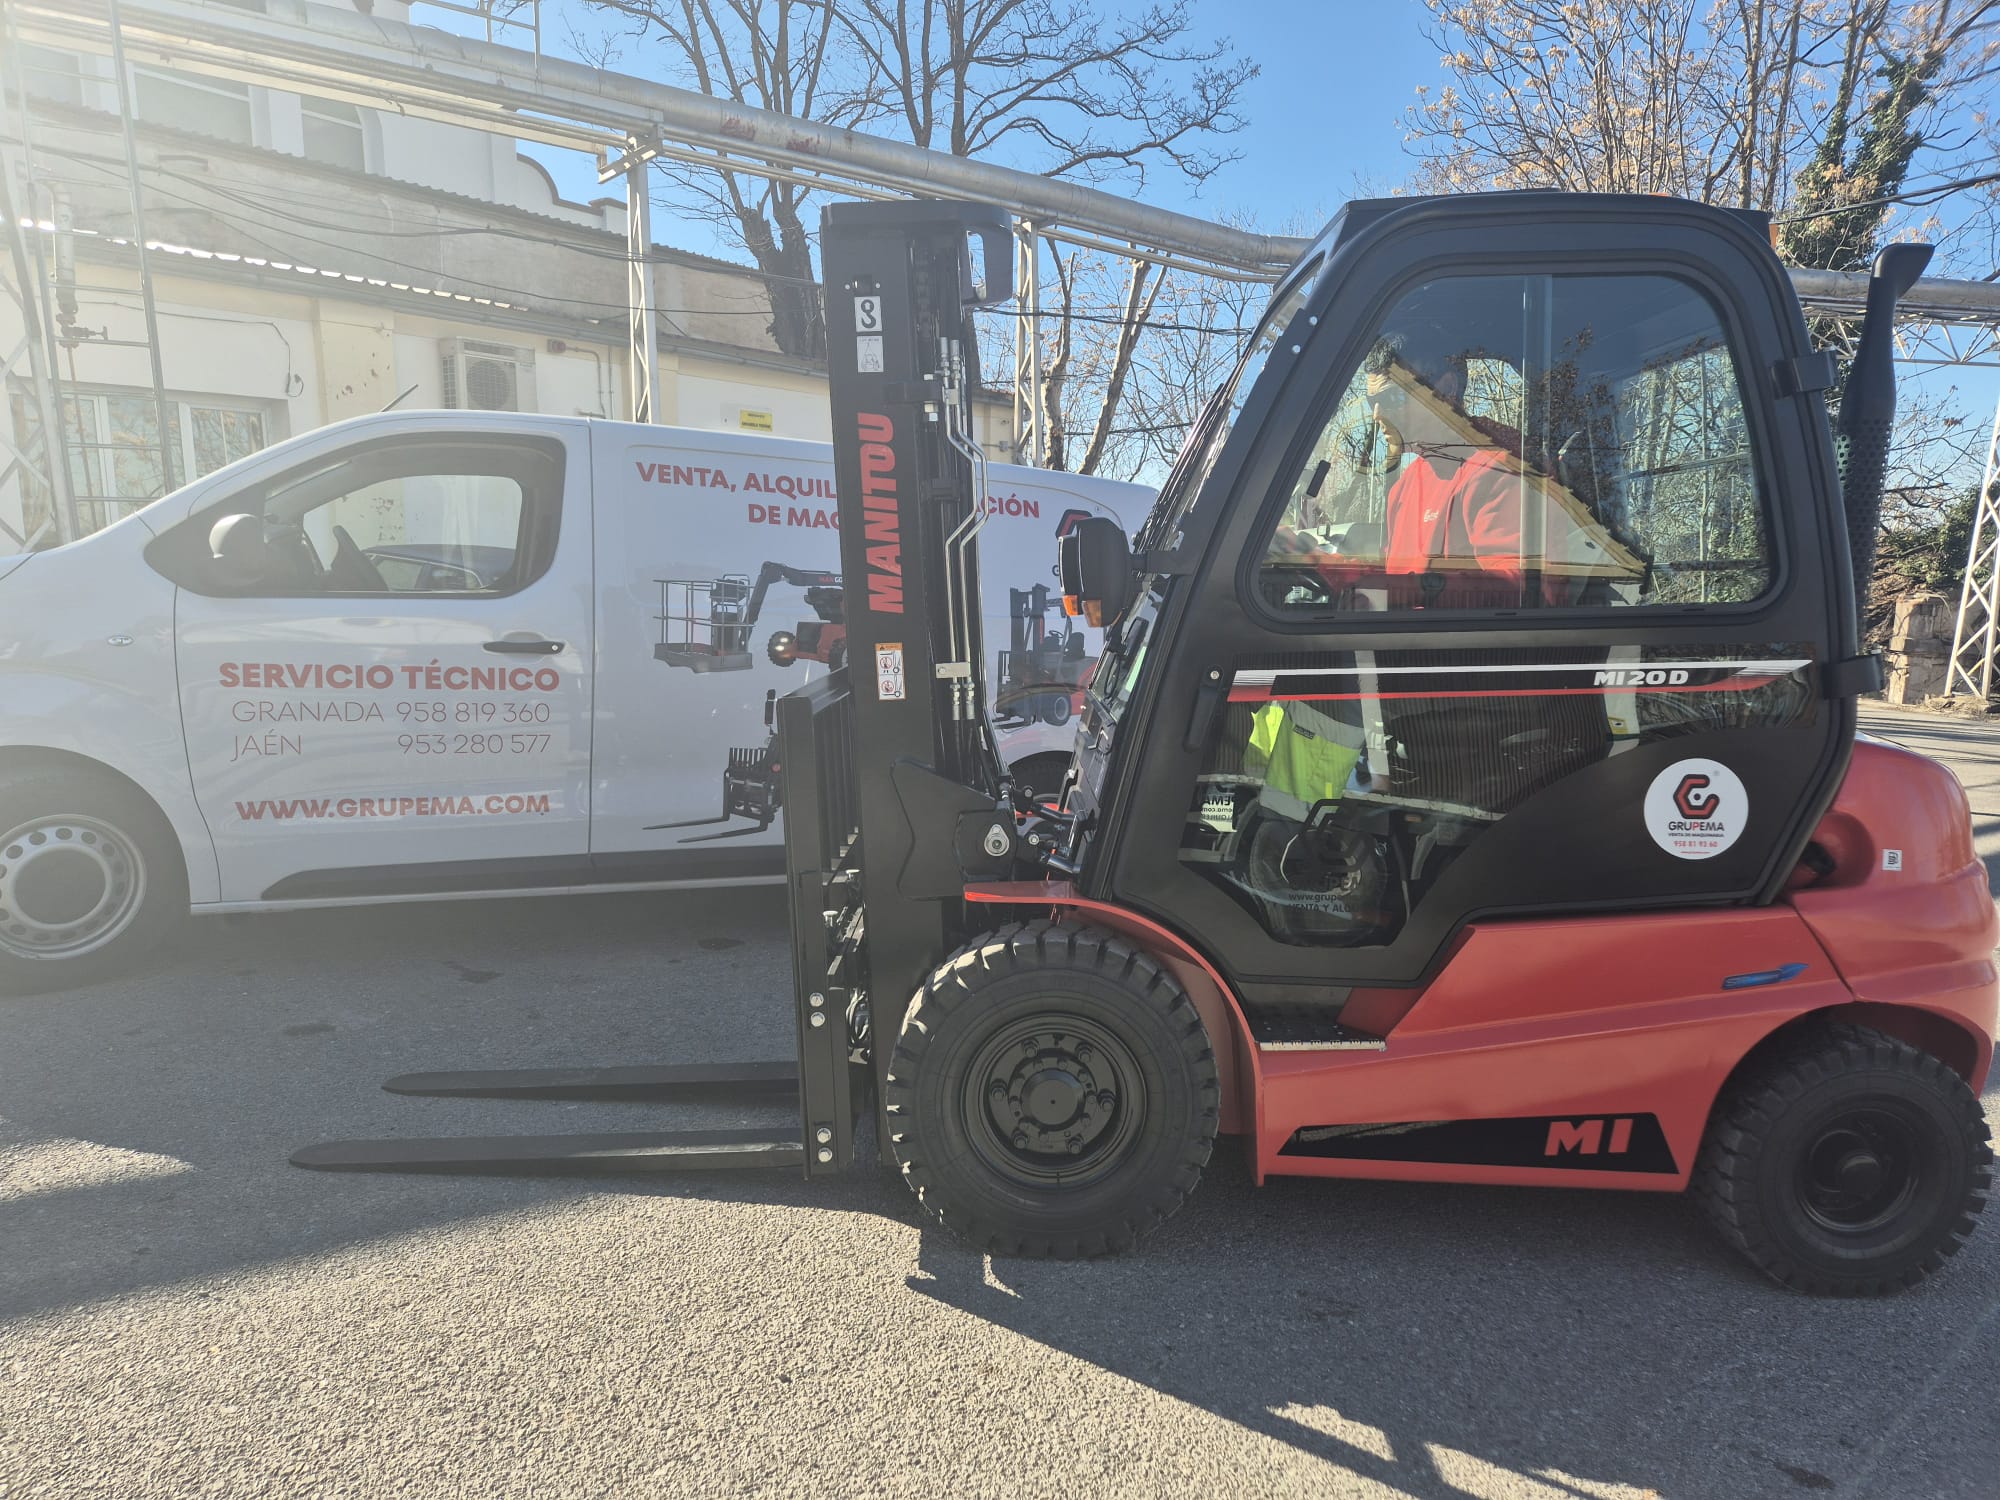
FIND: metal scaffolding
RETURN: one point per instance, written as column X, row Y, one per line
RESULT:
column 1973, row 638
column 54, row 460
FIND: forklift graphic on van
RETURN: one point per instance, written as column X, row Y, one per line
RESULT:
column 706, row 623
column 1042, row 674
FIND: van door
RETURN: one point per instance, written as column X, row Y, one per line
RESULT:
column 392, row 695
column 718, row 576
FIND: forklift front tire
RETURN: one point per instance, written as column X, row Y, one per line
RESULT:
column 1850, row 1165
column 1052, row 1093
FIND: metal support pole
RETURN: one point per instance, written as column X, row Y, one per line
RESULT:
column 37, row 312
column 170, row 458
column 1973, row 637
column 644, row 362
column 1027, row 398
column 1031, row 292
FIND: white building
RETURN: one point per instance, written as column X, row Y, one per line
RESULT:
column 317, row 260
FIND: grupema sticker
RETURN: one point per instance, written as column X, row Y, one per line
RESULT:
column 1695, row 809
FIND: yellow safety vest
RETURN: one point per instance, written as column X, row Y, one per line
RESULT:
column 1294, row 749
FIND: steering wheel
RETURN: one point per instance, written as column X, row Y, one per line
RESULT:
column 353, row 570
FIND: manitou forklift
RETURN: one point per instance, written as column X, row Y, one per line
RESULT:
column 1468, row 792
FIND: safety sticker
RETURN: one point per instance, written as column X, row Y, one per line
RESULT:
column 868, row 334
column 1695, row 809
column 889, row 671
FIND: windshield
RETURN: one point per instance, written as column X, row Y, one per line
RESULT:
column 1211, row 430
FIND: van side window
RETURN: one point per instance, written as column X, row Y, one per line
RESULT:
column 431, row 517
column 410, row 534
column 1528, row 442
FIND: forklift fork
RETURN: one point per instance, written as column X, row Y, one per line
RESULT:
column 811, row 741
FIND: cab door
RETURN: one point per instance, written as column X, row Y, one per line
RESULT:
column 1510, row 593
column 389, row 695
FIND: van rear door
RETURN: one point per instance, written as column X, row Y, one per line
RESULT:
column 401, row 704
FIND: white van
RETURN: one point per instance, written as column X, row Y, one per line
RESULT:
column 448, row 654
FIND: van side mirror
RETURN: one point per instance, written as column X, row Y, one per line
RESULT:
column 1094, row 564
column 242, row 553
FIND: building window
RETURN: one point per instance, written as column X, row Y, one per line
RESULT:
column 217, row 107
column 115, row 464
column 333, row 133
column 52, row 75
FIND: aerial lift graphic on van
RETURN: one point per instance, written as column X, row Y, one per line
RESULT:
column 706, row 623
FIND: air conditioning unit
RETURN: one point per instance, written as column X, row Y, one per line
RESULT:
column 479, row 376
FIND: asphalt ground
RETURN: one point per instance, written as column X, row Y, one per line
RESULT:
column 182, row 1314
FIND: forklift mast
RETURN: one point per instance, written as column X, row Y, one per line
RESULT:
column 903, row 366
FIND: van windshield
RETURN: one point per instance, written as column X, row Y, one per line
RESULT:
column 1210, row 433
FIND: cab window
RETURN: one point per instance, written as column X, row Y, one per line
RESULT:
column 1528, row 442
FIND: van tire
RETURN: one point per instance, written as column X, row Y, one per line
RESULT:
column 91, row 878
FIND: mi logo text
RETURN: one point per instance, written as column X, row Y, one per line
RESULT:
column 1589, row 1137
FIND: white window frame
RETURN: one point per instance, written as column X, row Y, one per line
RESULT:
column 100, row 510
column 200, row 83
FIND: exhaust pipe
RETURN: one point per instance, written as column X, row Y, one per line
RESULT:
column 1868, row 412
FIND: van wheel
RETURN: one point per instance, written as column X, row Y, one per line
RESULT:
column 1852, row 1165
column 91, row 878
column 1052, row 1093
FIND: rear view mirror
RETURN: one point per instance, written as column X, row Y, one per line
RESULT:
column 241, row 552
column 1095, row 567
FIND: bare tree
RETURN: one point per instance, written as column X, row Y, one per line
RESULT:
column 1757, row 103
column 1036, row 83
column 1048, row 83
column 1830, row 114
column 774, row 54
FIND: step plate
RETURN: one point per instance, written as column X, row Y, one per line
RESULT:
column 631, row 1151
column 774, row 1082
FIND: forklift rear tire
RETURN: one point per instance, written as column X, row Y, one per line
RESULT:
column 1850, row 1165
column 1052, row 1093
column 91, row 878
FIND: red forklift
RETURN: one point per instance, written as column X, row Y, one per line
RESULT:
column 1469, row 789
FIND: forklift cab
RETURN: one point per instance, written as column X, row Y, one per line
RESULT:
column 1492, row 532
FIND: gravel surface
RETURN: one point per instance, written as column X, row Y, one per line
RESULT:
column 182, row 1314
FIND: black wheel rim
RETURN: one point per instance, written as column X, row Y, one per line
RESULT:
column 1053, row 1101
column 1861, row 1168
